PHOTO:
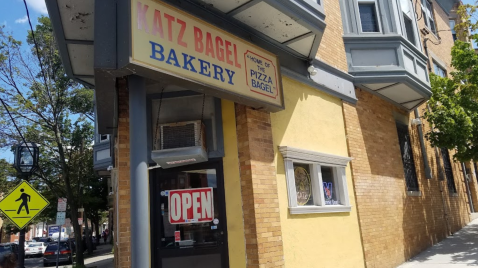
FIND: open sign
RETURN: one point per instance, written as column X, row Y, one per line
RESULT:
column 191, row 205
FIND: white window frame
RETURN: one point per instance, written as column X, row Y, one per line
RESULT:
column 412, row 17
column 103, row 140
column 438, row 65
column 315, row 160
column 429, row 15
column 377, row 15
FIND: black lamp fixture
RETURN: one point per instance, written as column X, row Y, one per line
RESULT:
column 26, row 158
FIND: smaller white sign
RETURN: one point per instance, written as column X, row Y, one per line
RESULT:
column 61, row 204
column 68, row 222
column 80, row 221
column 68, row 231
column 60, row 218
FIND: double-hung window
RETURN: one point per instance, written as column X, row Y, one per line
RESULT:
column 427, row 10
column 453, row 32
column 411, row 179
column 408, row 21
column 369, row 19
column 440, row 71
column 450, row 179
column 316, row 181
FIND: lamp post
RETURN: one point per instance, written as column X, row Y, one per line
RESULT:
column 26, row 162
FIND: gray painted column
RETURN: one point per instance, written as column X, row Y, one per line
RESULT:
column 140, row 233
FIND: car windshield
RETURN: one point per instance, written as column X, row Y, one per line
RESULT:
column 34, row 245
column 5, row 249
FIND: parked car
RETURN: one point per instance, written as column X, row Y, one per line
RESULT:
column 8, row 248
column 45, row 239
column 50, row 254
column 35, row 249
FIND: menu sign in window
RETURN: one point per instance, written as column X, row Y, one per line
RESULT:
column 171, row 41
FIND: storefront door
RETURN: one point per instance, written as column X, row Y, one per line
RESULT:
column 201, row 240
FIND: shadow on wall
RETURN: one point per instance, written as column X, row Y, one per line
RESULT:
column 395, row 226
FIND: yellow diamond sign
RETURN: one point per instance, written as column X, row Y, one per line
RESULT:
column 23, row 204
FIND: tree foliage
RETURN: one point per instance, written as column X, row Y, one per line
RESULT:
column 51, row 110
column 453, row 107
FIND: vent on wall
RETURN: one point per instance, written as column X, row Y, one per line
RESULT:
column 179, row 144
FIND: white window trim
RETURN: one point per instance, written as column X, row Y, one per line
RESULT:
column 412, row 17
column 104, row 140
column 293, row 155
column 377, row 15
column 429, row 16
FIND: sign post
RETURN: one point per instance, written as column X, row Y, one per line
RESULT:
column 60, row 220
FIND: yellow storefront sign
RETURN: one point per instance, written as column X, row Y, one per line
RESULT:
column 171, row 41
column 23, row 204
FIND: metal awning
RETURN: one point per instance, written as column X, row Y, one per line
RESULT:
column 73, row 23
column 297, row 26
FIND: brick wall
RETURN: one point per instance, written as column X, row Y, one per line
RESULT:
column 122, row 242
column 332, row 49
column 396, row 226
column 259, row 188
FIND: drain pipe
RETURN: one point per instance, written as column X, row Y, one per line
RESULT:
column 468, row 193
column 428, row 171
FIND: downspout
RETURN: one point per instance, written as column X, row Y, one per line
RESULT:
column 428, row 171
column 468, row 193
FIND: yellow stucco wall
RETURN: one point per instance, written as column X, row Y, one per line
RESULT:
column 232, row 185
column 313, row 120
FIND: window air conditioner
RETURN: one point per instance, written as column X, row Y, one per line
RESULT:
column 179, row 144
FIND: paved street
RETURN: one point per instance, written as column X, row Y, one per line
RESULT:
column 101, row 257
column 459, row 250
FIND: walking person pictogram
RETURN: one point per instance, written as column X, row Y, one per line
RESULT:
column 25, row 199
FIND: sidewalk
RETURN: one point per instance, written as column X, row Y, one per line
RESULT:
column 459, row 250
column 101, row 257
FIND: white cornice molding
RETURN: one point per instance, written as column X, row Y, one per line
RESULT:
column 291, row 153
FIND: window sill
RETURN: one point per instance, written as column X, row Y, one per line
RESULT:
column 453, row 194
column 432, row 33
column 414, row 193
column 317, row 209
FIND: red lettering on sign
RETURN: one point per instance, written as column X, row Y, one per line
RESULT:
column 170, row 26
column 209, row 46
column 157, row 24
column 181, row 33
column 228, row 52
column 198, row 40
column 141, row 20
column 191, row 205
column 219, row 48
column 238, row 65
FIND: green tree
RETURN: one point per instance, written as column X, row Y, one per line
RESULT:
column 453, row 107
column 51, row 110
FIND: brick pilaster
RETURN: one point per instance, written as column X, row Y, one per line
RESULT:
column 123, row 250
column 259, row 188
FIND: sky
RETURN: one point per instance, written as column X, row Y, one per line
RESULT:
column 14, row 18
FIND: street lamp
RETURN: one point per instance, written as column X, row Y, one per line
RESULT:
column 26, row 162
column 26, row 158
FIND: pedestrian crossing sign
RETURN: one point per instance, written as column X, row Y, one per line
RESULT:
column 23, row 204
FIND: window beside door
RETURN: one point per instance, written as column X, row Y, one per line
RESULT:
column 316, row 182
